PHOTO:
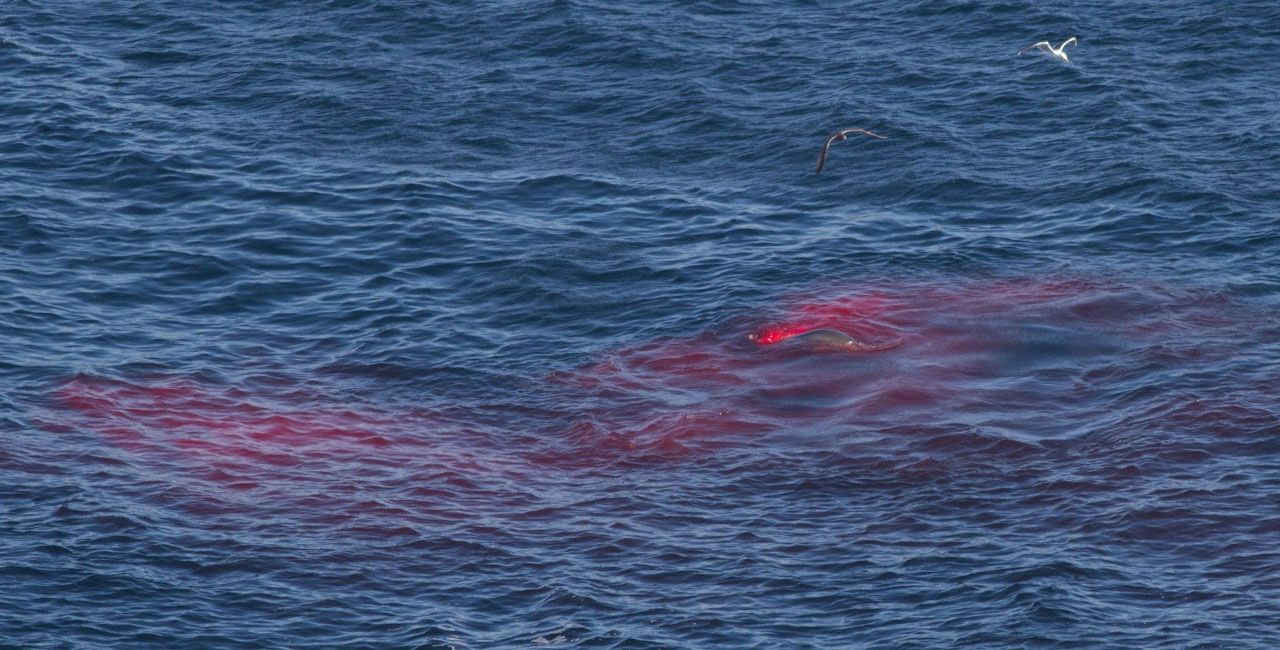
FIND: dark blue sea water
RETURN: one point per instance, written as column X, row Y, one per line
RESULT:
column 390, row 324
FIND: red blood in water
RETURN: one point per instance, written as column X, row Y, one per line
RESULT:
column 1004, row 354
column 779, row 333
column 988, row 351
column 217, row 423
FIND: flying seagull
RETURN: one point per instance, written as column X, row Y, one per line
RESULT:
column 842, row 134
column 1059, row 53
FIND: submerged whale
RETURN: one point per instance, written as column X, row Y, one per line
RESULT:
column 827, row 339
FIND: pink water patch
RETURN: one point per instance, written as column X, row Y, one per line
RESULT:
column 1022, row 358
column 1012, row 356
column 228, row 435
column 226, row 423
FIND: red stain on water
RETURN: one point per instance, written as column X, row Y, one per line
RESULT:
column 958, row 362
column 779, row 333
column 973, row 353
column 226, row 432
column 867, row 316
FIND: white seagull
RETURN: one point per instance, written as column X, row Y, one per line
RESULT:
column 842, row 134
column 1059, row 53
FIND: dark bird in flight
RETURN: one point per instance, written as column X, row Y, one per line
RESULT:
column 842, row 134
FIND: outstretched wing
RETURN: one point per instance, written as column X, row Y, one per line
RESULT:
column 842, row 134
column 1043, row 45
column 863, row 132
column 1069, row 41
column 822, row 155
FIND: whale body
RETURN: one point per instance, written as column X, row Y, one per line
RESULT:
column 831, row 339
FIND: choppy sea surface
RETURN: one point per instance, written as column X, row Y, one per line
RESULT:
column 378, row 324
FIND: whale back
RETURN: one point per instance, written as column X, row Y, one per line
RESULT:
column 832, row 339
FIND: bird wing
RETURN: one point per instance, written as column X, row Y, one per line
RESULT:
column 1069, row 41
column 822, row 155
column 840, row 135
column 1042, row 44
column 864, row 132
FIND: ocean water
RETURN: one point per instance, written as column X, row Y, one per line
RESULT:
column 390, row 324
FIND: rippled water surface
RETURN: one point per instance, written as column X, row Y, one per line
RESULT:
column 468, row 325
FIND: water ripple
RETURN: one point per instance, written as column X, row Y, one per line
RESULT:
column 373, row 324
